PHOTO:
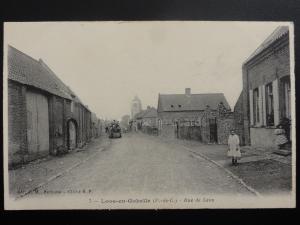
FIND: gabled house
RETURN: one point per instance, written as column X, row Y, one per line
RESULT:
column 266, row 97
column 175, row 110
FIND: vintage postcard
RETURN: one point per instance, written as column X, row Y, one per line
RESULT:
column 149, row 115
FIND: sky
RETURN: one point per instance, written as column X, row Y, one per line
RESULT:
column 107, row 63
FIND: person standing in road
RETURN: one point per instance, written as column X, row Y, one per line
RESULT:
column 234, row 147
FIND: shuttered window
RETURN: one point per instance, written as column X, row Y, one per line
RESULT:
column 256, row 117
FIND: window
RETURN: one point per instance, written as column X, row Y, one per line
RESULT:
column 269, row 105
column 255, row 106
column 179, row 106
column 286, row 97
column 172, row 106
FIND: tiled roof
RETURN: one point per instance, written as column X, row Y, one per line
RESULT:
column 278, row 33
column 62, row 86
column 147, row 113
column 26, row 70
column 150, row 113
column 192, row 102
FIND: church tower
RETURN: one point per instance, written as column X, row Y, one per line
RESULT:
column 136, row 106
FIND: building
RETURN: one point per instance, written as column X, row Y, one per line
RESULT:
column 125, row 122
column 266, row 99
column 136, row 106
column 149, row 117
column 146, row 119
column 149, row 121
column 177, row 113
column 138, row 119
column 44, row 115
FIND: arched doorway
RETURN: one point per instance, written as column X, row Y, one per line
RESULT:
column 72, row 134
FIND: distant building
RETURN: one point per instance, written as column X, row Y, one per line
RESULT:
column 147, row 118
column 178, row 111
column 266, row 97
column 136, row 106
column 125, row 121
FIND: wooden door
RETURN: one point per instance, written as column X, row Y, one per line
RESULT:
column 37, row 122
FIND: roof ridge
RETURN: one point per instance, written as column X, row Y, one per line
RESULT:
column 51, row 71
column 22, row 53
column 218, row 93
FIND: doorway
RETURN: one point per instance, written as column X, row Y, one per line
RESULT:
column 72, row 134
column 213, row 130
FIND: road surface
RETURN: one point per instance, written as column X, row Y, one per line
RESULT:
column 145, row 165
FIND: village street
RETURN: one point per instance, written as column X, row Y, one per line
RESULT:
column 140, row 164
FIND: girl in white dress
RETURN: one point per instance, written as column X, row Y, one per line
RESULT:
column 234, row 147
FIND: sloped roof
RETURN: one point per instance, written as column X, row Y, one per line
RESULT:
column 150, row 113
column 26, row 70
column 192, row 102
column 278, row 33
column 147, row 113
column 63, row 87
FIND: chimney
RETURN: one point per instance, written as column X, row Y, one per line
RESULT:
column 188, row 91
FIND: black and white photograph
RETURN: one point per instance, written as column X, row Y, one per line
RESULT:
column 149, row 115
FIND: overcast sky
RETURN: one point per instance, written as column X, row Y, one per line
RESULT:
column 107, row 63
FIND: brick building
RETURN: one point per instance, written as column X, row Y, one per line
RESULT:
column 266, row 97
column 44, row 115
column 193, row 116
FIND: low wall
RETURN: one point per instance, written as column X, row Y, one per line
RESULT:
column 263, row 137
